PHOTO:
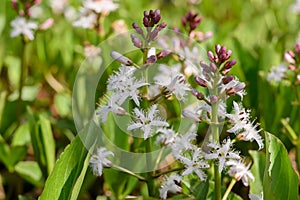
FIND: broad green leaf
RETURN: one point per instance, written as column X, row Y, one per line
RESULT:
column 43, row 143
column 31, row 172
column 257, row 169
column 66, row 178
column 200, row 189
column 22, row 135
column 62, row 102
column 280, row 181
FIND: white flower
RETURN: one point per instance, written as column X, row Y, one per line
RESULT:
column 111, row 106
column 167, row 136
column 58, row 6
column 86, row 19
column 91, row 52
column 234, row 87
column 277, row 73
column 242, row 126
column 100, row 6
column 173, row 81
column 296, row 7
column 239, row 171
column 239, row 118
column 298, row 78
column 125, row 85
column 146, row 121
column 222, row 153
column 183, row 142
column 36, row 11
column 250, row 133
column 99, row 160
column 195, row 165
column 256, row 197
column 170, row 186
column 23, row 27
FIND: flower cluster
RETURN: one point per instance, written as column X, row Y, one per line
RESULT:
column 22, row 24
column 290, row 70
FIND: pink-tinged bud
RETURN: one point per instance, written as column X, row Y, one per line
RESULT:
column 197, row 94
column 218, row 48
column 146, row 14
column 297, row 48
column 120, row 58
column 239, row 87
column 47, row 24
column 289, row 57
column 136, row 41
column 14, row 5
column 213, row 67
column 211, row 56
column 213, row 99
column 162, row 25
column 200, row 81
column 205, row 67
column 208, row 35
column 137, row 28
column 163, row 54
column 229, row 64
column 227, row 79
column 292, row 67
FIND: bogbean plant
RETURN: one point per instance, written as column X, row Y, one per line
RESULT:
column 209, row 94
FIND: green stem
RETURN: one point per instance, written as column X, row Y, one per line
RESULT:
column 150, row 180
column 215, row 137
column 233, row 181
column 22, row 77
column 169, row 171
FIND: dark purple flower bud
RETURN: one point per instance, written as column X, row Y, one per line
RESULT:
column 146, row 22
column 120, row 58
column 151, row 14
column 227, row 79
column 163, row 54
column 229, row 64
column 157, row 16
column 137, row 28
column 200, row 81
column 213, row 99
column 162, row 25
column 146, row 14
column 136, row 41
column 154, row 33
column 14, row 4
column 197, row 94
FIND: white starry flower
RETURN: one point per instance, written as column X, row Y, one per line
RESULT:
column 99, row 160
column 147, row 121
column 234, row 87
column 125, row 85
column 222, row 153
column 169, row 185
column 196, row 164
column 242, row 125
column 172, row 81
column 239, row 118
column 100, row 6
column 240, row 171
column 111, row 106
column 250, row 133
column 85, row 19
column 166, row 136
column 20, row 26
column 183, row 143
column 256, row 196
column 277, row 73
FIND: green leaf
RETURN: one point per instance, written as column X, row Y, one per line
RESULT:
column 31, row 172
column 67, row 176
column 200, row 189
column 280, row 181
column 257, row 169
column 62, row 102
column 11, row 156
column 22, row 135
column 43, row 143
